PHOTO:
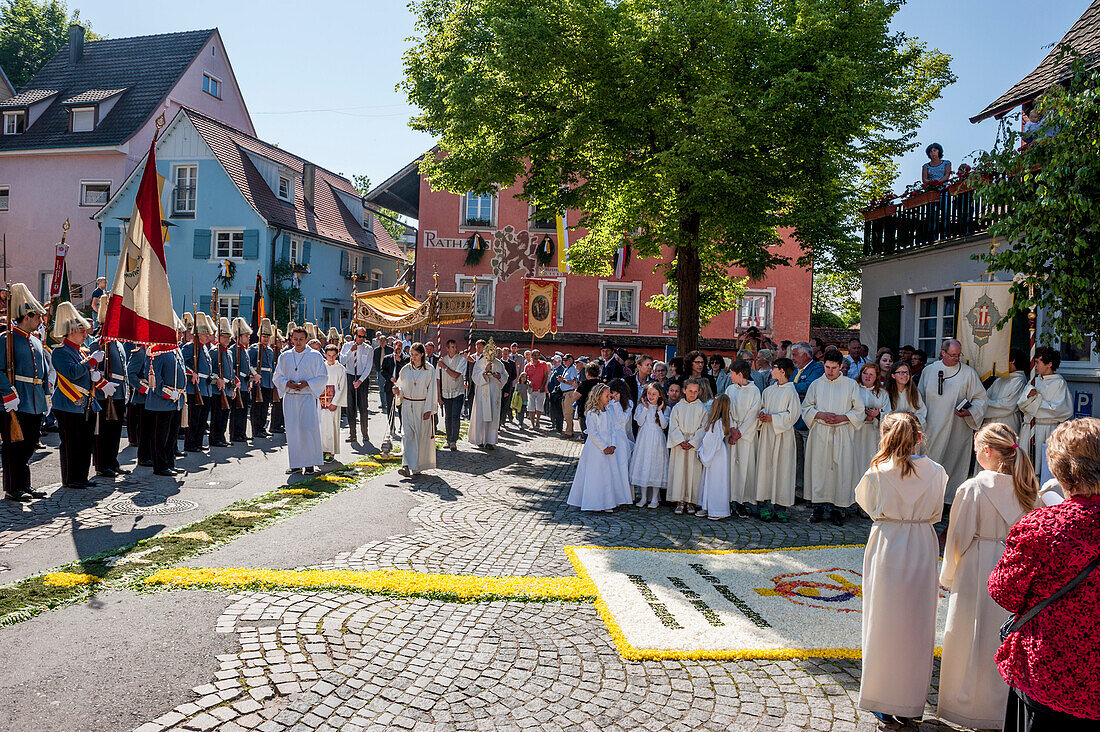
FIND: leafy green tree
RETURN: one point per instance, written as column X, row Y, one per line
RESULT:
column 31, row 33
column 388, row 218
column 282, row 296
column 835, row 292
column 1045, row 201
column 704, row 129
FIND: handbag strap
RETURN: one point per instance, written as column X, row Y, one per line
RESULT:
column 1062, row 592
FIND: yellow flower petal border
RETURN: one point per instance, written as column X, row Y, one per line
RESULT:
column 632, row 653
column 69, row 579
column 385, row 581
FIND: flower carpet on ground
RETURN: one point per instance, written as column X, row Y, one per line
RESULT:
column 770, row 604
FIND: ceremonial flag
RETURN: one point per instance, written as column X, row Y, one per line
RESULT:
column 540, row 306
column 58, row 269
column 622, row 254
column 560, row 260
column 981, row 307
column 140, row 308
column 259, row 309
column 63, row 295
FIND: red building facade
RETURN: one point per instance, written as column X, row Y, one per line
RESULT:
column 591, row 309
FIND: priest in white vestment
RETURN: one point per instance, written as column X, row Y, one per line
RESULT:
column 487, row 377
column 334, row 396
column 417, row 396
column 1003, row 396
column 745, row 403
column 956, row 403
column 831, row 409
column 1045, row 404
column 300, row 376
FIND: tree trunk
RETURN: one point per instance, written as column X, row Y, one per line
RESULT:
column 688, row 271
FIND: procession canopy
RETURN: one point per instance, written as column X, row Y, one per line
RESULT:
column 393, row 309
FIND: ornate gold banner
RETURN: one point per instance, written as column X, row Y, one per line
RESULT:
column 540, row 306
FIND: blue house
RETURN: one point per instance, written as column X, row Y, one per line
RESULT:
column 228, row 196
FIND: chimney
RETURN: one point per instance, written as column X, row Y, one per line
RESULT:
column 309, row 177
column 76, row 43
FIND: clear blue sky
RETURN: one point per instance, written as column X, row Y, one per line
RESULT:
column 319, row 77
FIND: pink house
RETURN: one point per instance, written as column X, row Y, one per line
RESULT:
column 78, row 128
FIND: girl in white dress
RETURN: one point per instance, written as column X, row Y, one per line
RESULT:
column 903, row 393
column 776, row 452
column 597, row 470
column 331, row 403
column 619, row 410
column 685, row 434
column 417, row 395
column 649, row 467
column 972, row 692
column 903, row 494
column 714, row 494
column 876, row 402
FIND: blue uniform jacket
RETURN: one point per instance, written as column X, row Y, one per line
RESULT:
column 79, row 392
column 262, row 359
column 30, row 372
column 244, row 366
column 168, row 373
column 188, row 352
column 114, row 365
column 137, row 374
column 227, row 370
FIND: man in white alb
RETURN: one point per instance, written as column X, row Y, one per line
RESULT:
column 452, row 390
column 357, row 357
column 956, row 403
column 300, row 377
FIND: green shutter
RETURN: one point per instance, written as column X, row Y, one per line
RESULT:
column 244, row 307
column 202, row 244
column 111, row 236
column 345, row 263
column 305, row 251
column 284, row 247
column 889, row 322
column 204, row 303
column 251, row 244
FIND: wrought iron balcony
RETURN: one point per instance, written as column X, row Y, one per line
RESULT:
column 925, row 219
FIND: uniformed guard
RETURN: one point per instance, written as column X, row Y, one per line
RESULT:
column 262, row 358
column 23, row 387
column 278, row 342
column 334, row 337
column 74, row 397
column 112, row 409
column 238, row 420
column 164, row 404
column 137, row 378
column 223, row 391
column 196, row 360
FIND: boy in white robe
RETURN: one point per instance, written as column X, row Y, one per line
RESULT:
column 956, row 403
column 745, row 403
column 487, row 377
column 1045, row 404
column 685, row 434
column 300, row 377
column 775, row 449
column 333, row 397
column 830, row 409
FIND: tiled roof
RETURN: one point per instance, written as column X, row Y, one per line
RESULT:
column 330, row 218
column 147, row 66
column 27, row 97
column 93, row 95
column 1083, row 36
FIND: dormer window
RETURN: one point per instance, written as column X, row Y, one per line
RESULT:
column 286, row 189
column 15, row 123
column 212, row 85
column 82, row 119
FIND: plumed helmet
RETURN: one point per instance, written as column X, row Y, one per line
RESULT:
column 290, row 327
column 188, row 321
column 102, row 312
column 266, row 329
column 67, row 319
column 23, row 303
column 241, row 327
column 333, row 334
column 223, row 327
column 203, row 324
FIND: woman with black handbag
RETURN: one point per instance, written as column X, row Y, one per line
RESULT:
column 1051, row 652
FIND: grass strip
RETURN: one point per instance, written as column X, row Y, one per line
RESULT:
column 402, row 583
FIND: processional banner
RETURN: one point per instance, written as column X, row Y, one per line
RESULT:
column 540, row 306
column 985, row 345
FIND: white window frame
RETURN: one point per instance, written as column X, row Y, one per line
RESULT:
column 532, row 222
column 375, row 280
column 605, row 287
column 5, row 197
column 10, row 122
column 941, row 332
column 294, row 251
column 489, row 314
column 45, row 280
column 194, row 187
column 229, row 306
column 206, row 87
column 216, row 233
column 289, row 188
column 73, row 111
column 769, row 310
column 464, row 223
column 84, row 184
column 668, row 320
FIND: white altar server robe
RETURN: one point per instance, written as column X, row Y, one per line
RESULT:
column 867, row 433
column 900, row 585
column 714, row 491
column 744, row 411
column 685, row 472
column 330, row 419
column 830, row 449
column 1047, row 408
column 948, row 438
column 418, row 396
column 301, row 408
column 903, row 405
column 1003, row 400
column 775, row 449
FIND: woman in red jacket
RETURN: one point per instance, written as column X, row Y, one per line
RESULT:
column 1053, row 662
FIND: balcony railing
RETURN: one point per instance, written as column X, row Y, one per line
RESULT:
column 925, row 219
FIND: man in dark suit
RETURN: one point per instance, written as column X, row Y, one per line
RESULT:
column 612, row 366
column 390, row 368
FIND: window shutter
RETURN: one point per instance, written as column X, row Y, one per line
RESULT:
column 204, row 302
column 305, row 251
column 111, row 240
column 284, row 247
column 889, row 322
column 244, row 307
column 202, row 244
column 345, row 263
column 251, row 244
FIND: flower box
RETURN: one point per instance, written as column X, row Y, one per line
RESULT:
column 920, row 199
column 880, row 213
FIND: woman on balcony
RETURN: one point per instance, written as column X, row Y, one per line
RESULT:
column 936, row 169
